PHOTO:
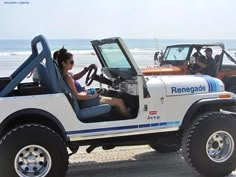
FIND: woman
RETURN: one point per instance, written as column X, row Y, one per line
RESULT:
column 66, row 63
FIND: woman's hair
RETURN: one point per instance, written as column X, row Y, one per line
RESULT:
column 55, row 55
column 63, row 56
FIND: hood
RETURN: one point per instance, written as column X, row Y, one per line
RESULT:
column 165, row 70
column 190, row 84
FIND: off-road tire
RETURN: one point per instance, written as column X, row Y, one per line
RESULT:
column 33, row 134
column 162, row 148
column 194, row 144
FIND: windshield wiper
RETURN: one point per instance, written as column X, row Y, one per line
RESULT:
column 175, row 57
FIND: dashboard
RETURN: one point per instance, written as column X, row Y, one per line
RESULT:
column 123, row 79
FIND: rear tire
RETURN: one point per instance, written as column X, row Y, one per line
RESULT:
column 208, row 145
column 33, row 150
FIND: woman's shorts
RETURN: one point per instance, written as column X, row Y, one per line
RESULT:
column 89, row 103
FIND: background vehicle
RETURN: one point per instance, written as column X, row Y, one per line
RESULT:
column 176, row 61
column 39, row 121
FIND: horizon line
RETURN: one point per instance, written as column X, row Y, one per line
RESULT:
column 124, row 39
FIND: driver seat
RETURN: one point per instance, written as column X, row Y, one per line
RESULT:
column 85, row 114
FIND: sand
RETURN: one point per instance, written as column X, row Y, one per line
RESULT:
column 134, row 161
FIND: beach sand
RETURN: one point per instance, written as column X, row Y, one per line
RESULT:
column 133, row 161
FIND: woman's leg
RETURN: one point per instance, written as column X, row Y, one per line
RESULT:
column 117, row 103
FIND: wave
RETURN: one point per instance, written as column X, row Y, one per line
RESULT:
column 138, row 50
column 78, row 52
column 15, row 53
column 92, row 52
column 75, row 52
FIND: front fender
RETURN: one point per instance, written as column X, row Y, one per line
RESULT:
column 205, row 105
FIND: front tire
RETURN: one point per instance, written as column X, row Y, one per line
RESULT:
column 33, row 150
column 208, row 145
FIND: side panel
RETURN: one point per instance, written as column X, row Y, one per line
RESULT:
column 156, row 109
column 55, row 104
column 59, row 107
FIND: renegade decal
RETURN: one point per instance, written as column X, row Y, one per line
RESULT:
column 200, row 88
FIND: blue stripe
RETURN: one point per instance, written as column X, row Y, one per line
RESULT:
column 217, row 84
column 161, row 124
column 144, row 125
column 155, row 124
column 170, row 123
column 215, row 89
column 209, row 82
column 213, row 84
column 209, row 85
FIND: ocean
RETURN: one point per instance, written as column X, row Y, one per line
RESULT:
column 14, row 52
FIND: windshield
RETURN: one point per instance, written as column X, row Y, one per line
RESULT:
column 176, row 53
column 113, row 56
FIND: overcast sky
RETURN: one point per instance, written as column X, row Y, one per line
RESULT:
column 164, row 19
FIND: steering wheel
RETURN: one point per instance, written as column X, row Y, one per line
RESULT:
column 90, row 76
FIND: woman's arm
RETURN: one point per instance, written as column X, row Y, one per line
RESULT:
column 80, row 74
column 80, row 96
column 83, row 72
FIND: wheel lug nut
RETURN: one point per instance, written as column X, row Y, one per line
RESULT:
column 35, row 168
column 26, row 169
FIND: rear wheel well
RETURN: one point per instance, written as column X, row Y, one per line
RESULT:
column 15, row 120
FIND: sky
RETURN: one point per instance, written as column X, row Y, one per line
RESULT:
column 130, row 19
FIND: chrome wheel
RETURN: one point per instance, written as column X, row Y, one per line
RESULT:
column 33, row 160
column 220, row 146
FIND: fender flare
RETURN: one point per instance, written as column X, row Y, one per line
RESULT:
column 44, row 116
column 217, row 103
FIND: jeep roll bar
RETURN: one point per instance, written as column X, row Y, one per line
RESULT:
column 34, row 59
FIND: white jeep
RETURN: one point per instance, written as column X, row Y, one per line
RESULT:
column 39, row 121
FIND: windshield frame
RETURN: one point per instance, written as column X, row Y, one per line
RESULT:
column 121, row 45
